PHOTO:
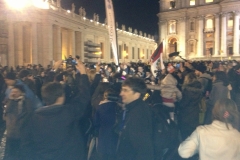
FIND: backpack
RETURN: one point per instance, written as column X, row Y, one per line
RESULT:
column 165, row 131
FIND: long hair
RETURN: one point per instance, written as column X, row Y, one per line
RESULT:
column 225, row 110
column 189, row 78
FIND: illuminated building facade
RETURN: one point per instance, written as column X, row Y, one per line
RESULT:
column 200, row 29
column 40, row 32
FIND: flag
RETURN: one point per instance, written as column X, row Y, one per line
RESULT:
column 111, row 28
column 156, row 60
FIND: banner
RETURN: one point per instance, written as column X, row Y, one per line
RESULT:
column 156, row 60
column 111, row 28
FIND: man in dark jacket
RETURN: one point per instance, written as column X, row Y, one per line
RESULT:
column 53, row 132
column 135, row 141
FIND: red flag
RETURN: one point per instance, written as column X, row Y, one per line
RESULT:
column 156, row 59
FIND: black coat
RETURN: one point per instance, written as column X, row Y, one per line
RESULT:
column 135, row 141
column 54, row 133
column 189, row 108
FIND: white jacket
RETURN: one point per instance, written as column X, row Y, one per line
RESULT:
column 213, row 142
column 169, row 88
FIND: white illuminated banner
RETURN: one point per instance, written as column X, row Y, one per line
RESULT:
column 111, row 28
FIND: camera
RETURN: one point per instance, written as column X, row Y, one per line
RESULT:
column 71, row 61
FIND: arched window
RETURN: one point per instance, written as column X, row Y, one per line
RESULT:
column 209, row 23
column 230, row 22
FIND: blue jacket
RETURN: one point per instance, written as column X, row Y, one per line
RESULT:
column 28, row 94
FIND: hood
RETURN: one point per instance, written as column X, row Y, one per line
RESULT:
column 169, row 80
column 205, row 75
column 195, row 86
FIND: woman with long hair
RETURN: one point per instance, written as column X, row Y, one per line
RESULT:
column 188, row 113
column 218, row 141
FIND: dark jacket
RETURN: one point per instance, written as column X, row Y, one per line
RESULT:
column 17, row 114
column 189, row 108
column 219, row 91
column 135, row 141
column 54, row 132
column 104, row 122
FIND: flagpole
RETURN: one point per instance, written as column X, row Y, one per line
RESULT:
column 112, row 29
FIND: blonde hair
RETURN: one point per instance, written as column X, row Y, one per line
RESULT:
column 225, row 110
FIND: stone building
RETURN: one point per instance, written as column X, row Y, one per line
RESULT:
column 42, row 31
column 200, row 29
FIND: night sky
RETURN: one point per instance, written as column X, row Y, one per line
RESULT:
column 138, row 14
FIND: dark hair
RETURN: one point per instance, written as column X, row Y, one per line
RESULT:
column 19, row 87
column 51, row 92
column 23, row 73
column 222, row 76
column 136, row 84
column 225, row 110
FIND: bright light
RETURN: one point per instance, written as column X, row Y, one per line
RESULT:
column 21, row 4
column 68, row 11
column 41, row 4
column 91, row 20
column 18, row 4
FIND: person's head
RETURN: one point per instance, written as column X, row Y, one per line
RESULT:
column 200, row 69
column 170, row 68
column 189, row 78
column 221, row 76
column 53, row 93
column 133, row 88
column 225, row 110
column 140, row 69
column 17, row 91
column 109, row 93
column 23, row 74
column 10, row 78
column 91, row 75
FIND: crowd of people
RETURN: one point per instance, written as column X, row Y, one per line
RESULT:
column 105, row 112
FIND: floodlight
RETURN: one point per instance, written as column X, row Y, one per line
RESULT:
column 18, row 4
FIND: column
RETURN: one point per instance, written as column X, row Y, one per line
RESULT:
column 79, row 43
column 224, row 35
column 200, row 37
column 72, row 43
column 59, row 43
column 11, row 50
column 34, row 44
column 182, row 36
column 130, row 52
column 57, row 47
column 40, row 43
column 19, row 44
column 163, row 29
column 47, row 44
column 236, row 35
column 27, row 43
column 217, row 35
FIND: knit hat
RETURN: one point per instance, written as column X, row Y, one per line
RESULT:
column 170, row 69
column 10, row 75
